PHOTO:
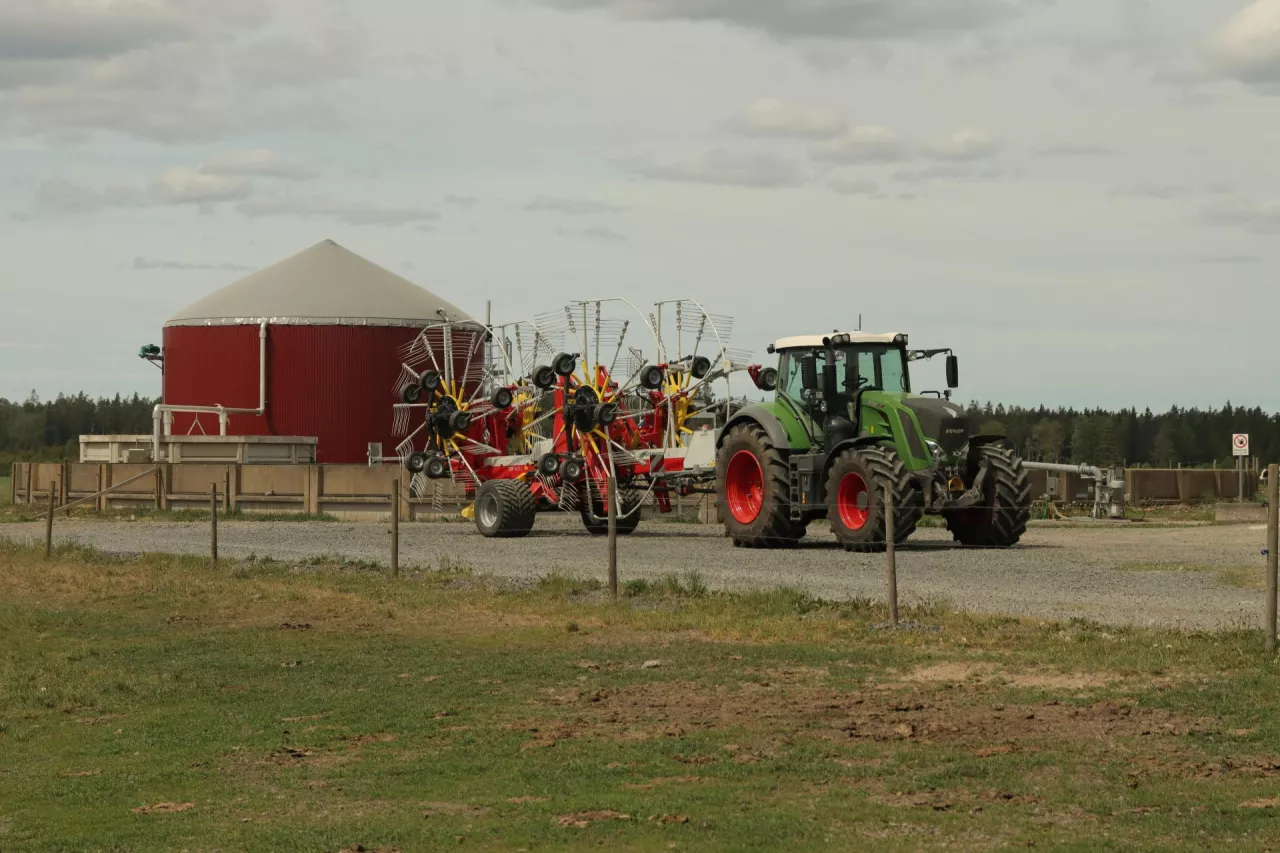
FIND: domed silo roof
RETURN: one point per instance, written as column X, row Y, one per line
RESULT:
column 323, row 285
column 336, row 325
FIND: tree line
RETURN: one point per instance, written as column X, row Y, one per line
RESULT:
column 1189, row 437
column 50, row 429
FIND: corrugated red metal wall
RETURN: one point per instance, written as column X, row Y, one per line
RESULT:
column 331, row 382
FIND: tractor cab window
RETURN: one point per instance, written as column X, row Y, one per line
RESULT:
column 791, row 376
column 872, row 367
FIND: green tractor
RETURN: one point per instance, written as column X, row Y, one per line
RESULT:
column 844, row 424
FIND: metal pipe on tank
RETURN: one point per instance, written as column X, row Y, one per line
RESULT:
column 161, row 414
column 1083, row 470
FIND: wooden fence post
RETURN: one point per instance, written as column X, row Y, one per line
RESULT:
column 613, row 535
column 31, row 469
column 48, row 526
column 890, row 556
column 213, row 521
column 1273, row 550
column 395, row 527
column 226, row 490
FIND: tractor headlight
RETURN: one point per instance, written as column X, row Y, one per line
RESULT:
column 936, row 449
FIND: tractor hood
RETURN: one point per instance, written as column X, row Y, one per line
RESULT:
column 942, row 420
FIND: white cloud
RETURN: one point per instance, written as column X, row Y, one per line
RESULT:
column 771, row 117
column 966, row 144
column 950, row 172
column 865, row 144
column 729, row 168
column 596, row 234
column 1169, row 191
column 262, row 162
column 171, row 70
column 1247, row 47
column 1074, row 150
column 60, row 29
column 572, row 206
column 1258, row 217
column 862, row 20
column 141, row 263
column 348, row 211
column 223, row 178
column 853, row 186
column 178, row 185
column 181, row 185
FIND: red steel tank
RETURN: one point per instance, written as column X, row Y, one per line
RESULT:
column 330, row 324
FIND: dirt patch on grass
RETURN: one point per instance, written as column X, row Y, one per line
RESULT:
column 581, row 820
column 433, row 809
column 991, row 674
column 164, row 808
column 777, row 715
column 663, row 780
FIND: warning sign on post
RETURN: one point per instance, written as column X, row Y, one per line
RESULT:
column 1240, row 444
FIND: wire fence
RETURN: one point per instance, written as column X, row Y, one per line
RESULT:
column 880, row 528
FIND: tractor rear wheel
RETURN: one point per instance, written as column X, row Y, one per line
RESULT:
column 1006, row 505
column 752, row 483
column 596, row 518
column 855, row 498
column 505, row 509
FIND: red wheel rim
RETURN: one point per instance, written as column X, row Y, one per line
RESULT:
column 852, row 500
column 744, row 487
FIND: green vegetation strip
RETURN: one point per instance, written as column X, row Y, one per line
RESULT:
column 157, row 703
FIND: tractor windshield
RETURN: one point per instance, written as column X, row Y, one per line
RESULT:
column 872, row 367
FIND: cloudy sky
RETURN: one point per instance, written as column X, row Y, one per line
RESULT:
column 1080, row 196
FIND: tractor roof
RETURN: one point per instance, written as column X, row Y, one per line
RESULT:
column 811, row 341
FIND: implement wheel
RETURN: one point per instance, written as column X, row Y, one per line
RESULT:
column 752, row 486
column 855, row 498
column 1006, row 505
column 504, row 509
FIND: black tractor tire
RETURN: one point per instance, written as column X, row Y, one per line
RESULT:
column 762, row 521
column 856, row 498
column 504, row 509
column 908, row 512
column 599, row 524
column 1002, row 519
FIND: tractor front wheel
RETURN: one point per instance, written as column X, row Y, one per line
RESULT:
column 856, row 496
column 504, row 509
column 1001, row 519
column 753, row 488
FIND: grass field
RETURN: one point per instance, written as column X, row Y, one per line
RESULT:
column 158, row 703
column 4, row 490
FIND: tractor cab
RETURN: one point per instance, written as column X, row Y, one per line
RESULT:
column 855, row 384
column 821, row 377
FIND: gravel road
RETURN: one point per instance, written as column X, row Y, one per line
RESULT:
column 1054, row 573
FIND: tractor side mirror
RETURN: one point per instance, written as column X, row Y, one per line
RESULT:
column 809, row 372
column 953, row 372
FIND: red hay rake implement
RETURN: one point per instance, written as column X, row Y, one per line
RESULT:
column 546, row 414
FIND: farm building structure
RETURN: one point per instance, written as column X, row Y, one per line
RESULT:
column 331, row 326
